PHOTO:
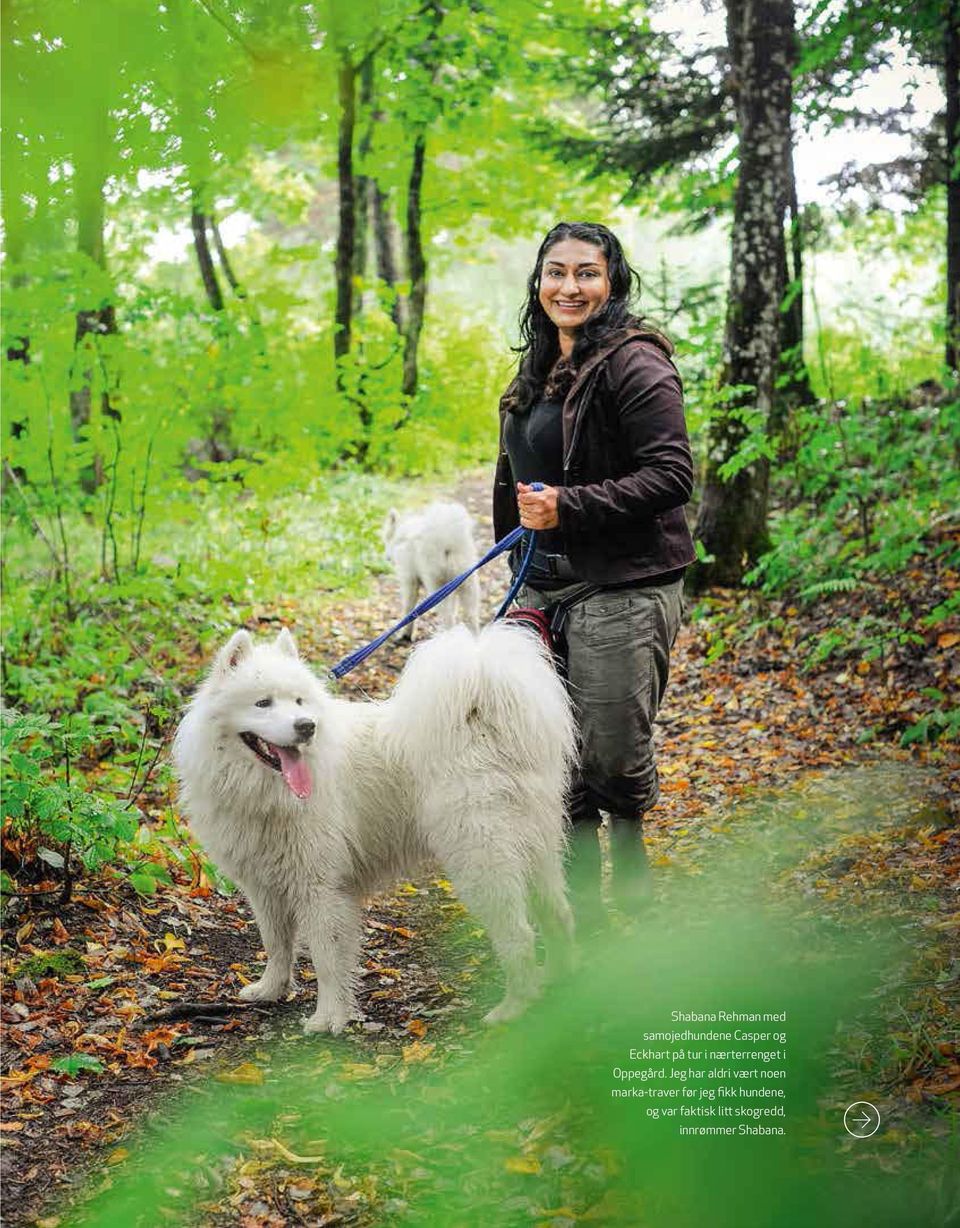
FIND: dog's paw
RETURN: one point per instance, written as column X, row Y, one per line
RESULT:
column 266, row 991
column 332, row 1018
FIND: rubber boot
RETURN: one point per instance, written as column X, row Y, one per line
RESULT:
column 584, row 876
column 632, row 881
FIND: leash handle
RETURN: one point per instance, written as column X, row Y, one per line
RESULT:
column 530, row 545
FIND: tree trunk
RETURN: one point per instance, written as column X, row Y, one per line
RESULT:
column 363, row 185
column 18, row 349
column 794, row 382
column 201, row 245
column 343, row 266
column 732, row 524
column 386, row 259
column 98, row 321
column 952, row 91
column 416, row 268
column 14, row 216
column 232, row 280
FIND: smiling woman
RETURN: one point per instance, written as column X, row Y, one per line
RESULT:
column 595, row 415
column 574, row 285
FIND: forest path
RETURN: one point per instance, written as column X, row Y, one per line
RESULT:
column 750, row 722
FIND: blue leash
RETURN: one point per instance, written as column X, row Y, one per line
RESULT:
column 529, row 536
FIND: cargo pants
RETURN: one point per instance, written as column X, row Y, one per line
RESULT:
column 618, row 645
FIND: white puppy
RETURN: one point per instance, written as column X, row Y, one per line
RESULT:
column 311, row 803
column 428, row 548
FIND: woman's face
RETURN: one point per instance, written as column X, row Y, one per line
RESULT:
column 574, row 283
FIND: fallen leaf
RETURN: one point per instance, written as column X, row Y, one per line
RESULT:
column 171, row 942
column 246, row 1073
column 522, row 1164
column 417, row 1052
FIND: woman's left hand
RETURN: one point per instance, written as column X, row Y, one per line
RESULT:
column 538, row 508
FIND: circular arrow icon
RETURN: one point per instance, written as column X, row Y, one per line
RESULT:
column 861, row 1119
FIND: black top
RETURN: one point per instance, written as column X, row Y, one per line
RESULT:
column 534, row 444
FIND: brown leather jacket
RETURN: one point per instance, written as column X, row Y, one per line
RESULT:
column 627, row 468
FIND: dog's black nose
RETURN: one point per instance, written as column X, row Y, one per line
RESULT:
column 304, row 729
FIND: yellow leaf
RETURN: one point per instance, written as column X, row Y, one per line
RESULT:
column 171, row 943
column 246, row 1073
column 948, row 639
column 352, row 1071
column 522, row 1164
column 417, row 1052
column 274, row 1144
column 118, row 1156
column 416, row 1027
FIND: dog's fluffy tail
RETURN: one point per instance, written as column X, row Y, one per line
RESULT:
column 494, row 696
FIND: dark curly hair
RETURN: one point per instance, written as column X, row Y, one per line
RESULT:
column 541, row 371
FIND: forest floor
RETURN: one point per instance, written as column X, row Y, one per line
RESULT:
column 115, row 1000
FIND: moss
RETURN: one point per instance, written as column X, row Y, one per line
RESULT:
column 52, row 963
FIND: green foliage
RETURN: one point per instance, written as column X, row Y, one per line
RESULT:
column 756, row 444
column 871, row 637
column 52, row 964
column 46, row 804
column 76, row 1062
column 943, row 722
column 864, row 485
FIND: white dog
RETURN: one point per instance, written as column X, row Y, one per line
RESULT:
column 311, row 803
column 428, row 548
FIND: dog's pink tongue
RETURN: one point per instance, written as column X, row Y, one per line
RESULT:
column 295, row 771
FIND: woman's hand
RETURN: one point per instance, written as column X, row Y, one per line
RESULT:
column 538, row 508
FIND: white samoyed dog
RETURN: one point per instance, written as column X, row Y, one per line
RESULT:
column 311, row 803
column 428, row 548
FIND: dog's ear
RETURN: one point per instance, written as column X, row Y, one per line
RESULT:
column 389, row 530
column 237, row 649
column 286, row 643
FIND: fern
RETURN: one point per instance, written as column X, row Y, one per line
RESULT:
column 841, row 584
